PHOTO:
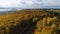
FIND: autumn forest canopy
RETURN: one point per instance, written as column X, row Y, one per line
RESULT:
column 30, row 21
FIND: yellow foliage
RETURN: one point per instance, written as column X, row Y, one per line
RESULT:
column 20, row 21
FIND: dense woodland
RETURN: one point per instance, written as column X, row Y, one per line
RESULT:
column 30, row 21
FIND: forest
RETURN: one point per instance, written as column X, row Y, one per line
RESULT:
column 30, row 21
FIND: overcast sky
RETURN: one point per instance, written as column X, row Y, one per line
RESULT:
column 29, row 3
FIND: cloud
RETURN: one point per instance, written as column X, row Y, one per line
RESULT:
column 9, row 3
column 15, row 3
column 51, row 2
column 28, row 3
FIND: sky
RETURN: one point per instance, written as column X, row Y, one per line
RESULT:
column 29, row 3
